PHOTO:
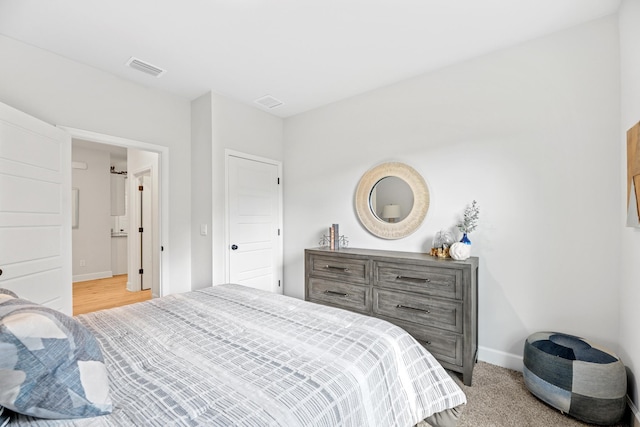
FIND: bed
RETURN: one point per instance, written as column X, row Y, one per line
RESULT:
column 235, row 356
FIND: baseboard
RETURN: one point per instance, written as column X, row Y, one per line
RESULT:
column 500, row 358
column 635, row 414
column 92, row 276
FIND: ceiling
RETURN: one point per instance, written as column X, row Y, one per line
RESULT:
column 304, row 53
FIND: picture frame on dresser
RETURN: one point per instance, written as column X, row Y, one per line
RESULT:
column 434, row 299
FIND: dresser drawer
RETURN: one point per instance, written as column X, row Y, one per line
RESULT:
column 338, row 294
column 438, row 313
column 343, row 268
column 445, row 346
column 442, row 282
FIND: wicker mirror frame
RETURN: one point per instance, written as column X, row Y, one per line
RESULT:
column 408, row 225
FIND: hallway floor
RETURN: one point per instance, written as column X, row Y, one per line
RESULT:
column 94, row 295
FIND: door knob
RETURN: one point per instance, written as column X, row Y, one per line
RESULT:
column 234, row 247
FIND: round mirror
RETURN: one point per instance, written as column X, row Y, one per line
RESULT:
column 392, row 200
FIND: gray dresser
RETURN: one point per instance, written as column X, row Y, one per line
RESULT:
column 435, row 300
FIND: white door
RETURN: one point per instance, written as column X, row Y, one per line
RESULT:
column 146, row 236
column 35, row 210
column 254, row 250
column 142, row 244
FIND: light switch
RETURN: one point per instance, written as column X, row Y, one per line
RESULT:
column 203, row 229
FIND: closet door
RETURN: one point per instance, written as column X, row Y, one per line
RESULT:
column 253, row 212
column 35, row 209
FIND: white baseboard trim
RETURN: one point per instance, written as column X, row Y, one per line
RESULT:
column 500, row 358
column 92, row 276
column 635, row 414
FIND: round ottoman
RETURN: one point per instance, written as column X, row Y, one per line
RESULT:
column 575, row 376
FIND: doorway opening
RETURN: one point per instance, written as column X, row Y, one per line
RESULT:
column 120, row 235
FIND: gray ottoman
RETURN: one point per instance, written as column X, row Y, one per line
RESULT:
column 575, row 376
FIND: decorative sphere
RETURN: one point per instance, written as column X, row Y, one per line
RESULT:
column 460, row 251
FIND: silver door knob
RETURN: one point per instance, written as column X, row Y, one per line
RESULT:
column 234, row 247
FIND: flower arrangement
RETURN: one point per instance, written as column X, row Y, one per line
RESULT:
column 470, row 221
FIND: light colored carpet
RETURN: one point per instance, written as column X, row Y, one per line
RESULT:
column 499, row 398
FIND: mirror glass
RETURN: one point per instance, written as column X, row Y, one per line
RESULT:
column 391, row 199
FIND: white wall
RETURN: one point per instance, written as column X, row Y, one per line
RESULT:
column 91, row 241
column 629, row 338
column 529, row 132
column 201, row 172
column 234, row 126
column 63, row 92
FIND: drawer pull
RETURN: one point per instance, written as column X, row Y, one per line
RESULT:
column 331, row 267
column 406, row 307
column 337, row 294
column 413, row 279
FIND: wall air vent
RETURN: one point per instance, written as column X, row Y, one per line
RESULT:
column 145, row 67
column 268, row 101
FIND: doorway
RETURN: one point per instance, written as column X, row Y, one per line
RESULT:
column 149, row 161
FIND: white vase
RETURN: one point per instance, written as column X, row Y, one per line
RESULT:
column 460, row 251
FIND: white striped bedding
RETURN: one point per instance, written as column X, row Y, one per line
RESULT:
column 234, row 356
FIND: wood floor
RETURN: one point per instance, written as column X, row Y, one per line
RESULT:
column 94, row 295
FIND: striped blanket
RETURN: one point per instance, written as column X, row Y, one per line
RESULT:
column 234, row 356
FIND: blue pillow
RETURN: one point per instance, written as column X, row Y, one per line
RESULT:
column 50, row 365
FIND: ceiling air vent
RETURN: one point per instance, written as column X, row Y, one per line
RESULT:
column 145, row 67
column 268, row 101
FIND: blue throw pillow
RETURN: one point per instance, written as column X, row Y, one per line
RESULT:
column 50, row 365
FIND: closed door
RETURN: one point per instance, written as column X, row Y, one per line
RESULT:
column 35, row 209
column 254, row 250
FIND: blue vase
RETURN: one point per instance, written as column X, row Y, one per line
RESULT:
column 465, row 239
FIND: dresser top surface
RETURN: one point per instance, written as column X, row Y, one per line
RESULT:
column 417, row 256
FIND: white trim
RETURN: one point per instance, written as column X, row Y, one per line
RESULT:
column 163, row 177
column 280, row 267
column 500, row 358
column 92, row 276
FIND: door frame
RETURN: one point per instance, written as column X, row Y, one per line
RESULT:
column 227, row 238
column 163, row 193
